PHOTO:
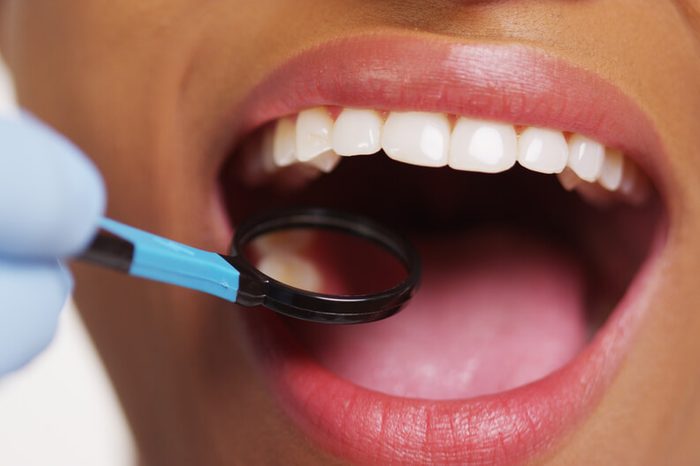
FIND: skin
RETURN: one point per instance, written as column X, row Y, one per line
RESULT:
column 146, row 88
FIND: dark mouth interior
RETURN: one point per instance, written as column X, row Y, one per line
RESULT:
column 608, row 244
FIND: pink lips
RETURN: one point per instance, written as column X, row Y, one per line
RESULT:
column 500, row 82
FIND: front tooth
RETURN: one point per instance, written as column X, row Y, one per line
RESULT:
column 357, row 132
column 417, row 138
column 284, row 143
column 482, row 146
column 611, row 173
column 586, row 157
column 291, row 269
column 314, row 133
column 543, row 150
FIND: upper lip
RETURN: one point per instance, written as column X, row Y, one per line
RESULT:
column 511, row 83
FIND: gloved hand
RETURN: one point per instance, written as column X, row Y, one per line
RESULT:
column 51, row 198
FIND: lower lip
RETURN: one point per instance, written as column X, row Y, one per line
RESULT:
column 510, row 427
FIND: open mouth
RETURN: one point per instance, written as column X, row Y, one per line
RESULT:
column 534, row 230
column 519, row 272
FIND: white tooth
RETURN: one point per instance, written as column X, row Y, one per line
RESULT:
column 568, row 179
column 543, row 150
column 611, row 174
column 325, row 162
column 291, row 269
column 482, row 146
column 284, row 241
column 314, row 133
column 357, row 132
column 417, row 138
column 586, row 157
column 284, row 144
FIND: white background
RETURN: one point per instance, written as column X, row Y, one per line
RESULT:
column 60, row 410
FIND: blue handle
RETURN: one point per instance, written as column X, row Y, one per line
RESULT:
column 163, row 260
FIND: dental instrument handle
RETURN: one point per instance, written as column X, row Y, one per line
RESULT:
column 142, row 254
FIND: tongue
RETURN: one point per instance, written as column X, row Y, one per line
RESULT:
column 495, row 311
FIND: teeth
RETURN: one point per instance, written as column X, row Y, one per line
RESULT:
column 357, row 132
column 586, row 157
column 305, row 140
column 292, row 269
column 313, row 135
column 481, row 146
column 611, row 173
column 313, row 143
column 284, row 241
column 282, row 258
column 543, row 150
column 417, row 138
column 284, row 143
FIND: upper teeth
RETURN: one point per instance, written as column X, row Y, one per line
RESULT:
column 358, row 132
column 313, row 134
column 417, row 138
column 543, row 150
column 284, row 148
column 483, row 147
column 317, row 139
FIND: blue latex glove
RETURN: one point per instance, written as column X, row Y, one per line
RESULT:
column 51, row 198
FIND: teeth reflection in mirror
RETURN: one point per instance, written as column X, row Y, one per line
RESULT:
column 417, row 138
column 611, row 172
column 284, row 146
column 291, row 269
column 357, row 132
column 311, row 144
column 543, row 150
column 568, row 179
column 586, row 157
column 481, row 146
column 285, row 241
column 314, row 133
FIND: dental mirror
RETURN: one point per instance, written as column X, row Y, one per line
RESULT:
column 313, row 264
